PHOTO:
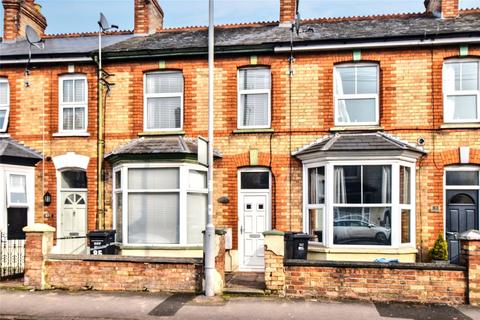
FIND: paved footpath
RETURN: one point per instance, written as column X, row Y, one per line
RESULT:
column 55, row 305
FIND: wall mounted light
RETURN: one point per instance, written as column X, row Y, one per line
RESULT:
column 47, row 198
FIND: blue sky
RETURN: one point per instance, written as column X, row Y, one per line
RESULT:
column 81, row 15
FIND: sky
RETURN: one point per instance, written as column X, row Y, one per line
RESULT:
column 66, row 16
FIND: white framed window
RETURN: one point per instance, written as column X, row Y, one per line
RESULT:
column 254, row 98
column 461, row 88
column 17, row 190
column 73, row 104
column 367, row 203
column 163, row 101
column 160, row 205
column 356, row 88
column 4, row 104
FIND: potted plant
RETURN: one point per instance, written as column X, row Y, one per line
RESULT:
column 439, row 252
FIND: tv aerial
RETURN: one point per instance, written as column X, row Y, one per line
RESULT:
column 104, row 27
column 33, row 40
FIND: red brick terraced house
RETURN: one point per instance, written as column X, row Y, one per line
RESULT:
column 361, row 131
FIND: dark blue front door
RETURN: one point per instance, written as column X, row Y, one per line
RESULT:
column 462, row 215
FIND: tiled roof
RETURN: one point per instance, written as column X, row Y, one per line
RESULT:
column 412, row 26
column 68, row 45
column 156, row 146
column 339, row 142
column 10, row 148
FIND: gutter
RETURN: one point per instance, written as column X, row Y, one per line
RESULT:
column 46, row 60
column 390, row 44
column 149, row 54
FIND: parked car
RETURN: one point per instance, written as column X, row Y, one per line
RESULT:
column 346, row 231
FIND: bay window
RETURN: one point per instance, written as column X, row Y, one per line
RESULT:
column 4, row 104
column 163, row 101
column 254, row 91
column 461, row 91
column 359, row 204
column 73, row 97
column 160, row 205
column 356, row 94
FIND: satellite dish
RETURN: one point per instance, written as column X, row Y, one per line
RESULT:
column 32, row 36
column 104, row 25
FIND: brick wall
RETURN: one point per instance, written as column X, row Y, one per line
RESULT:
column 415, row 282
column 411, row 106
column 146, row 274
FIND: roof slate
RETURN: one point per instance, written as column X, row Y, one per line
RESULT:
column 83, row 45
column 14, row 149
column 418, row 27
column 376, row 141
column 163, row 145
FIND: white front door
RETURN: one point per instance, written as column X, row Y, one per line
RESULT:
column 73, row 222
column 253, row 221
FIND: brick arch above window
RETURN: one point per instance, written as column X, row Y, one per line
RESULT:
column 452, row 157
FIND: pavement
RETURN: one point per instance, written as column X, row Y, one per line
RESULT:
column 53, row 305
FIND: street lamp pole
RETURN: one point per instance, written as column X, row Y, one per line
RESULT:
column 210, row 228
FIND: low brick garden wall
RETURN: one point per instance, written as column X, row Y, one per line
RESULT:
column 123, row 273
column 396, row 282
column 44, row 270
column 405, row 282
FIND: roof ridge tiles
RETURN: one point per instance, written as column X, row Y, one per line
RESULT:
column 405, row 15
column 85, row 34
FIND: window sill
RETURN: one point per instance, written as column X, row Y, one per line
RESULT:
column 464, row 125
column 160, row 247
column 253, row 130
column 4, row 135
column 161, row 133
column 71, row 134
column 356, row 128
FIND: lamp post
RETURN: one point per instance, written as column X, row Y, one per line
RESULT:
column 209, row 244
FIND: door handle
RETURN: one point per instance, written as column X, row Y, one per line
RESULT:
column 241, row 229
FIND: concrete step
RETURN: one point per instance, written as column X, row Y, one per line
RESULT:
column 244, row 291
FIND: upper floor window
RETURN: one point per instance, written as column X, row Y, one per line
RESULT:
column 461, row 91
column 254, row 91
column 163, row 108
column 356, row 94
column 4, row 104
column 73, row 103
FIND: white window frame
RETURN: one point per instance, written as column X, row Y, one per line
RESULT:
column 450, row 92
column 241, row 92
column 338, row 97
column 395, row 205
column 183, row 191
column 75, row 105
column 10, row 204
column 147, row 96
column 309, row 206
column 6, row 106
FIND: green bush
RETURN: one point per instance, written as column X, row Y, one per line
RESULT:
column 439, row 250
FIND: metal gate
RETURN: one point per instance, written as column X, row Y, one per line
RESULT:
column 12, row 257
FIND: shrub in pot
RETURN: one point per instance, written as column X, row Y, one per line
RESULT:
column 439, row 252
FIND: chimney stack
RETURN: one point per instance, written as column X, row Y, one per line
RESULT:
column 17, row 14
column 288, row 10
column 445, row 9
column 148, row 16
